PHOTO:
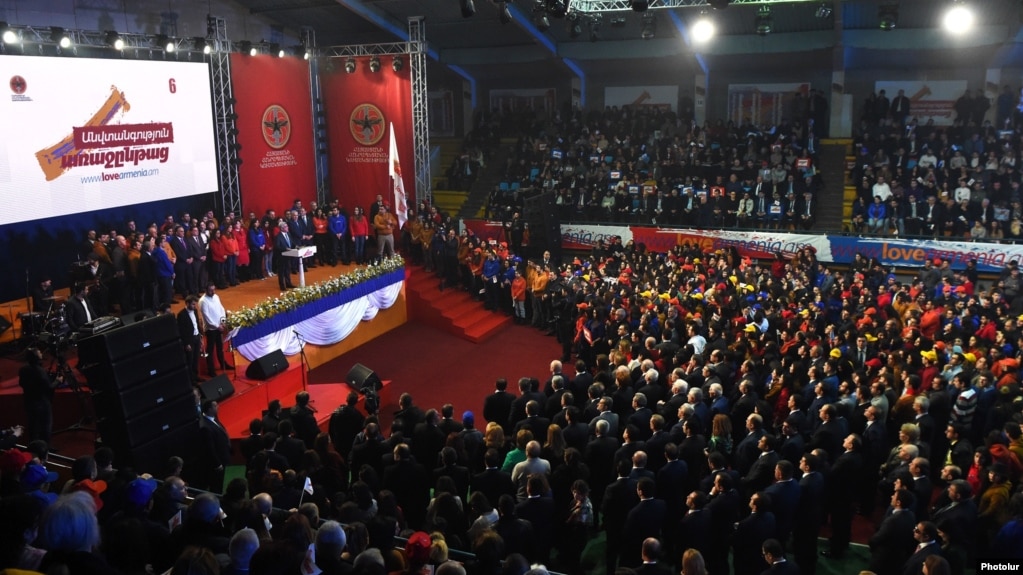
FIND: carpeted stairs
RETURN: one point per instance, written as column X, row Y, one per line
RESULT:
column 452, row 310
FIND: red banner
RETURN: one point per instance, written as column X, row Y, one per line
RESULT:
column 275, row 130
column 360, row 107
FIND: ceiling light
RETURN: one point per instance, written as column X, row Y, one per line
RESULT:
column 506, row 15
column 541, row 21
column 58, row 35
column 575, row 27
column 639, row 5
column 374, row 64
column 595, row 23
column 618, row 22
column 9, row 35
column 468, row 8
column 824, row 11
column 888, row 16
column 244, row 46
column 649, row 27
column 703, row 29
column 764, row 21
column 958, row 19
column 350, row 65
column 200, row 44
column 162, row 41
column 397, row 64
column 114, row 40
column 557, row 8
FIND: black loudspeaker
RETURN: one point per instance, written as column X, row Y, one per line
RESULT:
column 217, row 389
column 541, row 214
column 134, row 401
column 267, row 366
column 151, row 457
column 361, row 377
column 136, row 317
column 130, row 340
column 149, row 425
column 137, row 369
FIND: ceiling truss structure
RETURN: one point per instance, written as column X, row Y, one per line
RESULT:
column 601, row 6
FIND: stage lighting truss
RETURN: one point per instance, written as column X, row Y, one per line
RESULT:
column 92, row 42
column 599, row 6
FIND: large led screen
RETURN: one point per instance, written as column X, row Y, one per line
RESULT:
column 80, row 135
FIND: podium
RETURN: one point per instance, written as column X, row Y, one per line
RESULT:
column 300, row 253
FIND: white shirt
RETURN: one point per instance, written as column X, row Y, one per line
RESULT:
column 882, row 189
column 213, row 312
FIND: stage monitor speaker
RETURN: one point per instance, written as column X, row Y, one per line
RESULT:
column 218, row 389
column 360, row 377
column 267, row 366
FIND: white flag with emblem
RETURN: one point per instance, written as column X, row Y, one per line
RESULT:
column 394, row 170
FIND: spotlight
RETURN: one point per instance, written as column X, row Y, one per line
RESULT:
column 114, row 40
column 639, row 5
column 163, row 41
column 244, row 47
column 823, row 11
column 253, row 51
column 619, row 22
column 718, row 4
column 350, row 66
column 9, row 35
column 201, row 45
column 276, row 49
column 374, row 64
column 703, row 29
column 468, row 8
column 575, row 27
column 307, row 54
column 58, row 35
column 959, row 18
column 557, row 8
column 397, row 64
column 649, row 27
column 506, row 15
column 888, row 16
column 595, row 23
column 764, row 20
column 541, row 21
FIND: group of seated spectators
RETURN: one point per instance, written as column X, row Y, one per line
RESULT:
column 718, row 410
column 646, row 165
column 918, row 179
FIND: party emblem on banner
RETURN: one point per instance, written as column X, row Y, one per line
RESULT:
column 18, row 85
column 367, row 124
column 276, row 126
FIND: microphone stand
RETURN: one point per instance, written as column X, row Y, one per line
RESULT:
column 303, row 359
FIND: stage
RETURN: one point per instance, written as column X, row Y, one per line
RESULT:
column 250, row 397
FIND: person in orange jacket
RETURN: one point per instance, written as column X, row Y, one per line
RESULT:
column 518, row 294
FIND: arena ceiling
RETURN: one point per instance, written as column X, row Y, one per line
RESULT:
column 849, row 37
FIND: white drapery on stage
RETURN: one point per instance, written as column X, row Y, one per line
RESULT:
column 325, row 328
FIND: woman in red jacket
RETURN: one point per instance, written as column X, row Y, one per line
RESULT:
column 359, row 226
column 218, row 252
column 241, row 236
column 231, row 266
column 320, row 236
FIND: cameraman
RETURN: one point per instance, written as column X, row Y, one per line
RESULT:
column 38, row 386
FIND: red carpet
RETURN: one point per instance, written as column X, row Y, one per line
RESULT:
column 437, row 367
column 452, row 310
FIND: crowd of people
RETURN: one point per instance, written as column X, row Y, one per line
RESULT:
column 917, row 179
column 715, row 413
column 649, row 165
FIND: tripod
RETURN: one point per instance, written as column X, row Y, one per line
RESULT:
column 59, row 367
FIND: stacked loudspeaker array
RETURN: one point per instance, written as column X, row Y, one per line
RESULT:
column 142, row 393
column 541, row 213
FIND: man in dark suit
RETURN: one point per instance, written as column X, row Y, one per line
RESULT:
column 652, row 554
column 345, row 423
column 748, row 450
column 517, row 412
column 892, row 543
column 282, row 243
column 459, row 474
column 761, row 473
column 655, row 444
column 534, row 422
column 724, row 512
column 428, row 440
column 809, row 514
column 289, row 446
column 750, row 534
column 189, row 329
column 303, row 418
column 274, row 460
column 643, row 521
column 410, row 483
column 640, row 416
column 829, row 435
column 793, row 445
column 961, row 509
column 580, row 383
column 217, row 446
column 840, row 482
column 252, row 444
column 599, row 457
column 497, row 405
column 774, row 555
column 79, row 308
column 492, row 481
column 370, row 450
column 576, row 433
column 926, row 535
column 619, row 498
column 539, row 511
column 784, row 493
column 694, row 528
column 183, row 278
